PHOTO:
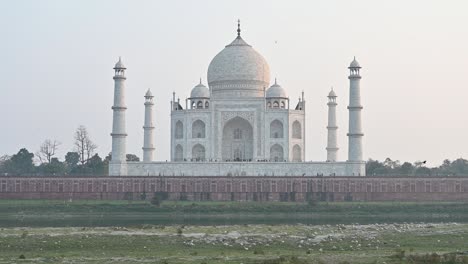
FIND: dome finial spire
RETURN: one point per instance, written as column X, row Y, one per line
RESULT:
column 119, row 64
column 238, row 28
column 200, row 80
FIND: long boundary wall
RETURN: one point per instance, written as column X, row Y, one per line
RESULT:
column 239, row 188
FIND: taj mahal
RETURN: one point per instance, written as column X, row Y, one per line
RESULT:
column 238, row 125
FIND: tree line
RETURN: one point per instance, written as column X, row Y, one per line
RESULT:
column 82, row 160
column 389, row 167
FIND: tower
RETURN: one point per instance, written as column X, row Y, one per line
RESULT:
column 117, row 165
column 355, row 131
column 148, row 141
column 332, row 145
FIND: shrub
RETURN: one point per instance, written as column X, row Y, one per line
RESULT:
column 183, row 197
column 128, row 196
column 436, row 258
column 158, row 197
column 258, row 252
column 155, row 201
column 399, row 254
column 312, row 202
column 179, row 231
column 285, row 260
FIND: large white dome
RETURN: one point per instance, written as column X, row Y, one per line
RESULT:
column 238, row 71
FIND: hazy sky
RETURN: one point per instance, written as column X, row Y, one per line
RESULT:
column 57, row 59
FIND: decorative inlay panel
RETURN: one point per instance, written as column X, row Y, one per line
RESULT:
column 247, row 115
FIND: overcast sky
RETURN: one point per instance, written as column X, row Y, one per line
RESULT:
column 57, row 59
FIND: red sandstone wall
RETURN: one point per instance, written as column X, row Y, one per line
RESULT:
column 239, row 188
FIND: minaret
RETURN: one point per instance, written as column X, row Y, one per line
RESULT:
column 119, row 134
column 355, row 131
column 148, row 141
column 332, row 145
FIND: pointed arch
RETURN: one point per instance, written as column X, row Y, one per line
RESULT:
column 237, row 144
column 296, row 130
column 297, row 153
column 198, row 129
column 276, row 129
column 198, row 152
column 179, row 153
column 179, row 130
column 276, row 153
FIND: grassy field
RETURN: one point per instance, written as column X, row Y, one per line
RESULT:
column 53, row 231
column 380, row 243
column 46, row 213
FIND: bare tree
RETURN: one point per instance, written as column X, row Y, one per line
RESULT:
column 47, row 150
column 4, row 159
column 84, row 146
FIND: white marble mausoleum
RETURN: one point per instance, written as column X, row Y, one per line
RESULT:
column 238, row 125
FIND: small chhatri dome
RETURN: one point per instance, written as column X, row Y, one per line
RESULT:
column 276, row 91
column 119, row 64
column 148, row 93
column 332, row 93
column 354, row 64
column 200, row 91
column 238, row 70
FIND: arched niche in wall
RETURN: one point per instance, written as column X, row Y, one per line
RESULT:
column 198, row 129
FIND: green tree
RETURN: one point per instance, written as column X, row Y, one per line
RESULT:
column 128, row 157
column 3, row 161
column 375, row 167
column 72, row 164
column 108, row 158
column 422, row 171
column 406, row 169
column 54, row 167
column 95, row 165
column 72, row 159
column 390, row 164
column 459, row 167
column 21, row 163
column 446, row 164
column 132, row 157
